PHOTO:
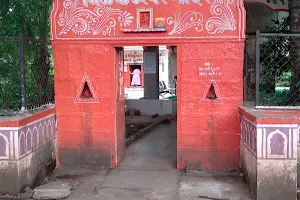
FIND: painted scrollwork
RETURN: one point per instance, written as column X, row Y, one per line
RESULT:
column 188, row 2
column 82, row 21
column 223, row 17
column 136, row 2
column 188, row 20
column 101, row 19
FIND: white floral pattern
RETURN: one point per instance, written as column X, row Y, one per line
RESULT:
column 86, row 18
column 223, row 17
column 186, row 21
column 188, row 2
column 82, row 21
column 136, row 2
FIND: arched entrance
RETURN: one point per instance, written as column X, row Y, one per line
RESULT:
column 86, row 38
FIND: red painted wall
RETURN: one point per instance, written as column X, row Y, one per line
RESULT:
column 84, row 129
column 84, row 37
column 208, row 132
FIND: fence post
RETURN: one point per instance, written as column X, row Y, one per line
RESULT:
column 22, row 72
column 257, row 63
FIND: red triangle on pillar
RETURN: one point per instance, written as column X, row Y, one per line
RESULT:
column 212, row 92
column 86, row 92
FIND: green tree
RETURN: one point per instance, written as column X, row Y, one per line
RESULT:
column 31, row 18
column 275, row 56
column 286, row 53
column 276, row 61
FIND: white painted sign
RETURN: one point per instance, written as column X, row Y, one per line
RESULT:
column 149, row 62
column 210, row 69
column 133, row 57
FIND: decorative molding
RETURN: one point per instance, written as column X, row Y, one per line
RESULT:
column 270, row 143
column 29, row 138
column 277, row 143
column 5, row 154
column 249, row 136
column 277, row 125
column 280, row 141
column 30, row 123
column 22, row 144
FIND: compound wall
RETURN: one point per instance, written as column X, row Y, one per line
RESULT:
column 27, row 150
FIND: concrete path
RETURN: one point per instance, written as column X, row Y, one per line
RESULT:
column 148, row 172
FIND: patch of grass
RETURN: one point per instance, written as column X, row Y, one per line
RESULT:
column 278, row 98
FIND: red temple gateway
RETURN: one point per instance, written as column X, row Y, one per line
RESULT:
column 86, row 38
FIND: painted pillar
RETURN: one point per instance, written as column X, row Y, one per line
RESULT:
column 209, row 36
column 269, row 140
column 84, row 104
column 211, row 91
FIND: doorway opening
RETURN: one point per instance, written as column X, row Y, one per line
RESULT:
column 150, row 92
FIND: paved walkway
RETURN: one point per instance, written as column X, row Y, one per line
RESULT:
column 148, row 172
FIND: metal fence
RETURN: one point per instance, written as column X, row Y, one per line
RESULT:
column 272, row 70
column 26, row 74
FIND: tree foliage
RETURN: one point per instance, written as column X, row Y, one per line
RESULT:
column 275, row 60
column 31, row 18
column 275, row 53
column 281, row 56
